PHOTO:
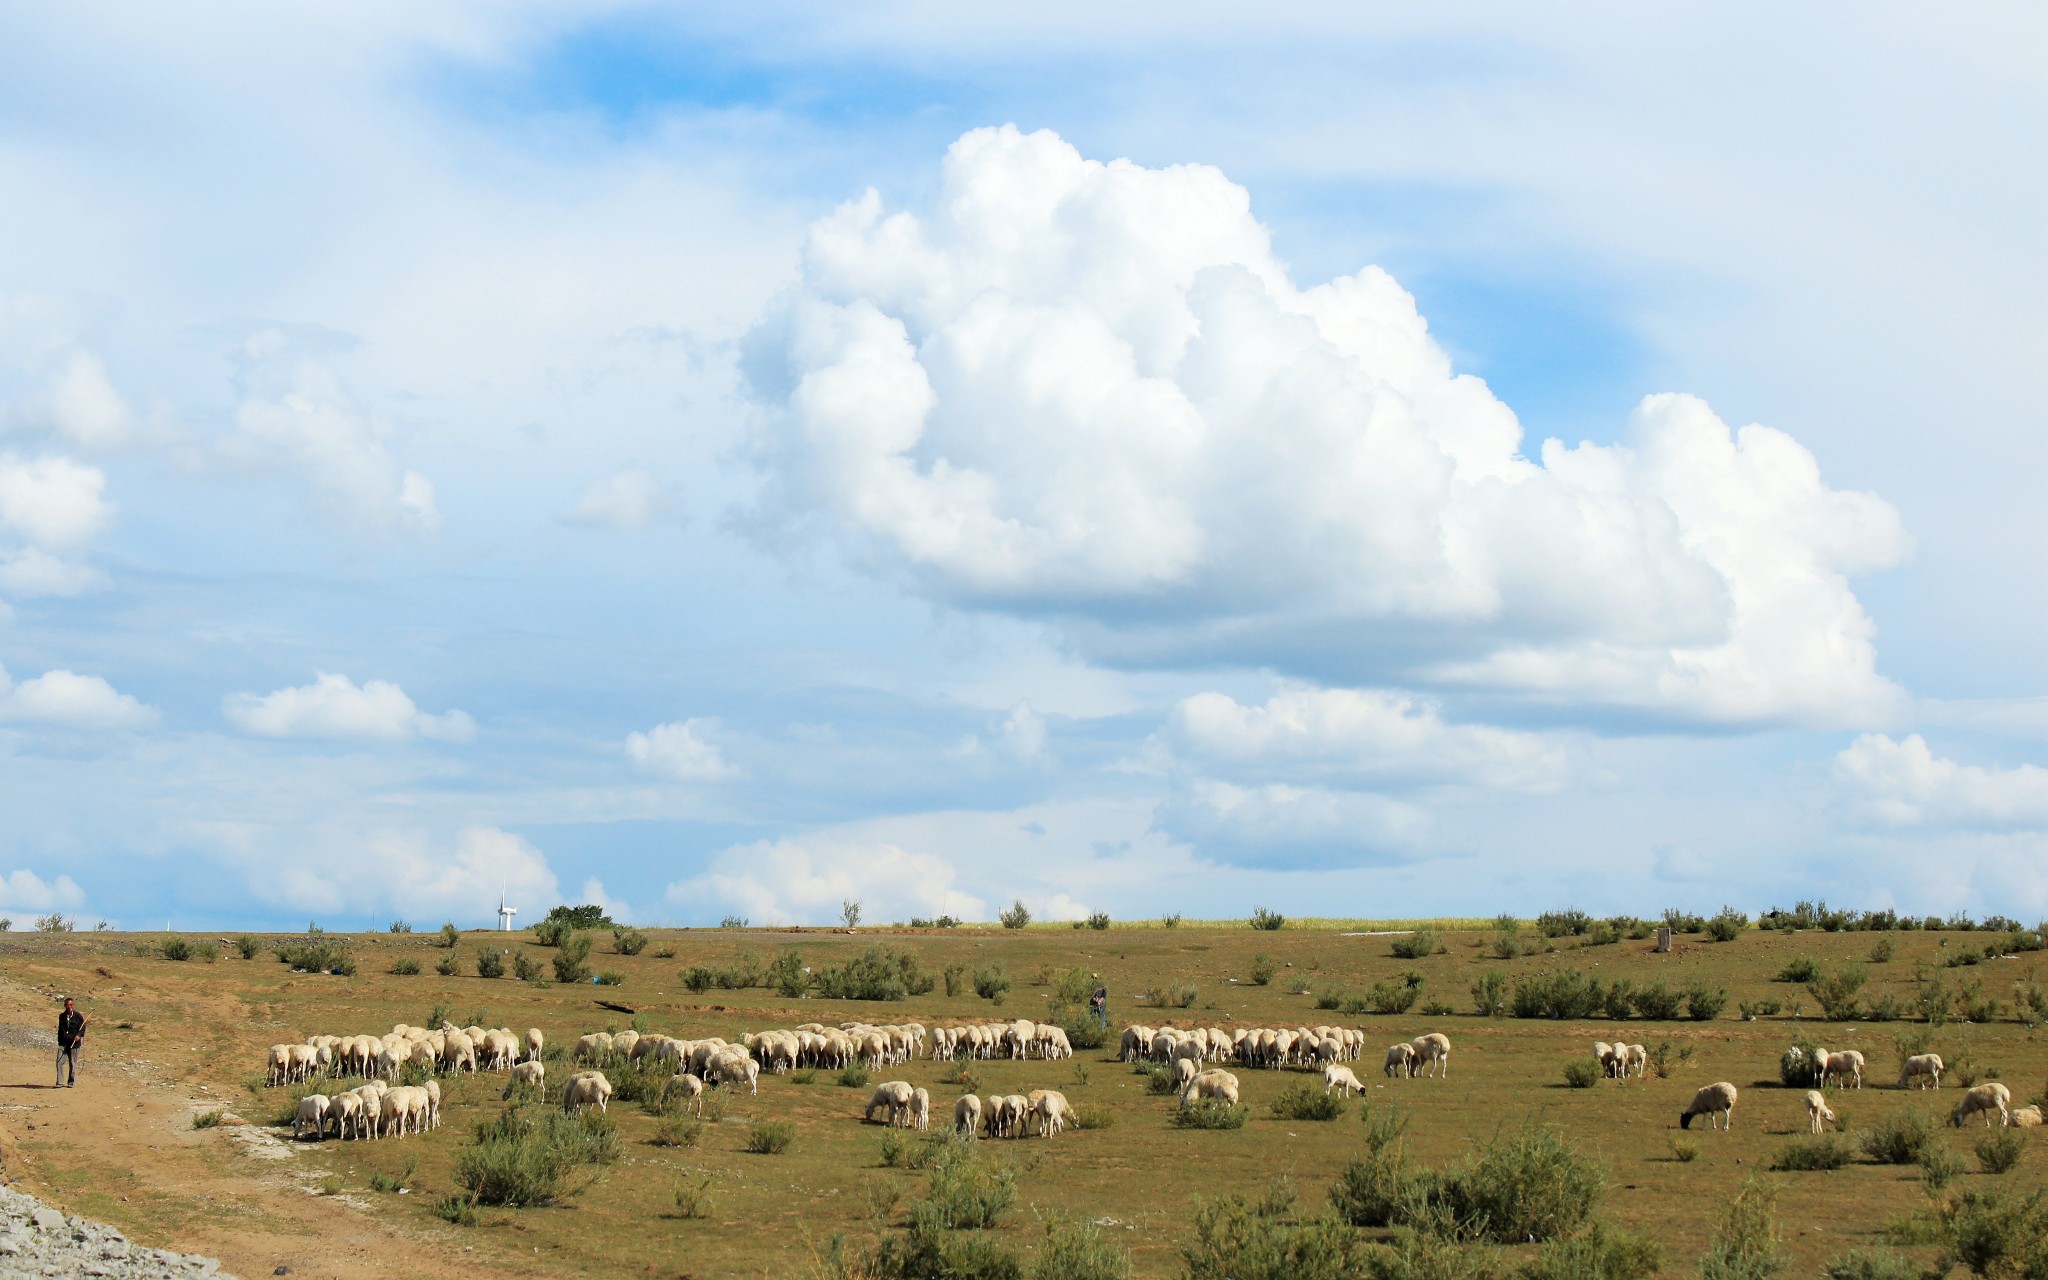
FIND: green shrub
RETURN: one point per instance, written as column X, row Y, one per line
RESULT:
column 524, row 967
column 677, row 1130
column 521, row 1158
column 1267, row 921
column 1384, row 1122
column 1620, row 1002
column 1581, row 1073
column 490, row 963
column 786, row 973
column 991, row 984
column 1745, row 1244
column 1416, row 946
column 174, row 948
column 879, row 973
column 448, row 965
column 628, row 942
column 457, row 1211
column 1869, row 1264
column 1939, row 1166
column 692, row 1197
column 1098, row 920
column 1087, row 1115
column 955, row 979
column 1704, row 1004
column 1684, row 1150
column 1560, row 993
column 1388, row 996
column 1801, row 971
column 1016, row 917
column 1727, row 925
column 1078, row 1250
column 571, row 951
column 769, row 1137
column 1489, row 994
column 2001, row 1233
column 1599, row 1253
column 208, row 1119
column 317, row 954
column 610, row 978
column 964, row 1193
column 1561, row 924
column 1210, row 1113
column 1372, row 1188
column 1899, row 1138
column 450, row 935
column 248, row 945
column 406, row 967
column 1303, row 1101
column 854, row 1076
column 1526, row 1185
column 2001, row 1151
column 1836, row 993
column 1239, row 1239
column 1261, row 970
column 1808, row 1155
column 1799, row 1066
column 1658, row 1003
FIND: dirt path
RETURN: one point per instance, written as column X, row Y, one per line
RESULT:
column 121, row 1148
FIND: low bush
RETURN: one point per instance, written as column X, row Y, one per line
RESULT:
column 1899, row 1138
column 769, row 1137
column 1389, row 996
column 1304, row 1101
column 1581, row 1073
column 1684, row 1150
column 248, row 945
column 677, row 1130
column 1703, row 1003
column 317, row 954
column 1836, row 993
column 1727, row 925
column 527, row 1157
column 2000, row 1232
column 1159, row 1079
column 1563, row 924
column 1417, row 945
column 450, row 935
column 1869, row 1264
column 1489, row 994
column 691, row 1197
column 1808, row 1155
column 448, row 965
column 1372, row 1188
column 610, row 978
column 525, row 967
column 1799, row 1066
column 1078, row 1250
column 459, row 1211
column 175, row 948
column 1801, row 971
column 1745, row 1245
column 208, row 1119
column 1261, row 970
column 571, row 951
column 2001, row 1151
column 1210, row 1113
column 1267, row 921
column 1088, row 1115
column 964, row 1193
column 628, row 942
column 490, row 963
column 1601, row 1252
column 406, row 967
column 1098, row 920
column 1016, row 917
column 1560, row 993
column 1658, row 1003
column 991, row 984
column 1939, row 1166
column 1240, row 1239
column 853, row 1076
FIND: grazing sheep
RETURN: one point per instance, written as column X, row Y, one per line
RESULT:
column 1339, row 1077
column 1986, row 1098
column 1714, row 1101
column 1637, row 1061
column 587, row 1089
column 313, row 1112
column 432, row 1089
column 1604, row 1053
column 2026, row 1117
column 1184, row 1070
column 534, row 1042
column 346, row 1110
column 1817, row 1111
column 1052, row 1111
column 370, row 1120
column 895, row 1095
column 1432, row 1055
column 1211, row 1085
column 920, row 1109
column 736, row 1069
column 528, row 1073
column 1923, row 1069
column 1016, row 1115
column 1400, row 1059
column 280, row 1065
column 595, row 1047
column 1846, row 1065
column 691, row 1087
column 967, row 1115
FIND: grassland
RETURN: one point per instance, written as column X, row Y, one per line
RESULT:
column 1140, row 1178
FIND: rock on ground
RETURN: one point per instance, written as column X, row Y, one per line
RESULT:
column 38, row 1240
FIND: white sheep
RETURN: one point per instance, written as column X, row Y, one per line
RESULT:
column 967, row 1115
column 534, row 1042
column 895, row 1095
column 1714, row 1101
column 2026, row 1117
column 595, row 1047
column 1845, row 1065
column 1637, row 1061
column 1432, row 1055
column 1986, row 1098
column 1817, row 1112
column 280, row 1065
column 1341, row 1077
column 531, row 1074
column 1016, row 1114
column 920, row 1109
column 1400, row 1059
column 1052, row 1111
column 1604, row 1053
column 691, row 1087
column 346, row 1110
column 313, row 1112
column 1215, row 1085
column 1923, row 1069
column 587, row 1089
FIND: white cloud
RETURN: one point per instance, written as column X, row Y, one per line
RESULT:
column 804, row 880
column 334, row 706
column 31, row 571
column 52, row 501
column 296, row 414
column 1021, row 736
column 327, row 870
column 1904, row 784
column 65, row 698
column 682, row 751
column 1372, row 735
column 1090, row 392
column 83, row 407
column 1280, row 825
column 27, row 891
column 628, row 501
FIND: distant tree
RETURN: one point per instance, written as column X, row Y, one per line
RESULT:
column 849, row 911
column 587, row 916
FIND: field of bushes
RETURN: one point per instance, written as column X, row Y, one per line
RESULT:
column 1524, row 1161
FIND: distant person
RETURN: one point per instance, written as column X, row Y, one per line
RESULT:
column 70, row 1039
column 1099, row 1005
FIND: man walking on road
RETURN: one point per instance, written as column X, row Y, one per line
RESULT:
column 70, row 1038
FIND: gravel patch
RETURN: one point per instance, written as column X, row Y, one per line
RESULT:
column 38, row 1240
column 25, row 1037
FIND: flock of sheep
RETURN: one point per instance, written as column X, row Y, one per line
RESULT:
column 1197, row 1055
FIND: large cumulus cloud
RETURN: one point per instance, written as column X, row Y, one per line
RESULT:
column 1090, row 392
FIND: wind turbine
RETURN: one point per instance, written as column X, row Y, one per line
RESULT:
column 505, row 913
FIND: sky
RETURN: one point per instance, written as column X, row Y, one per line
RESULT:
column 1364, row 461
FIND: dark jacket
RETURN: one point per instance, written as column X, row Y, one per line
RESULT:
column 70, row 1028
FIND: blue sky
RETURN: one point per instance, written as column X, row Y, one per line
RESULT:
column 448, row 450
